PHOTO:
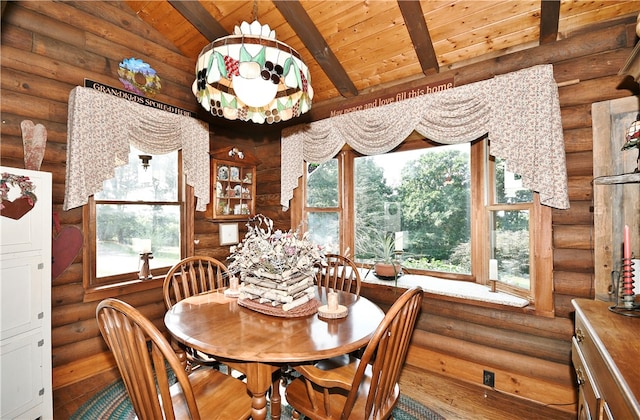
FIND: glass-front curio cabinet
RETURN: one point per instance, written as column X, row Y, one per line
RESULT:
column 233, row 184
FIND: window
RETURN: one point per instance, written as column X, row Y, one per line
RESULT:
column 453, row 210
column 509, row 211
column 323, row 204
column 139, row 210
column 423, row 199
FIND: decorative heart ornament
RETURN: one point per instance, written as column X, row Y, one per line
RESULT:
column 17, row 208
column 64, row 249
column 34, row 140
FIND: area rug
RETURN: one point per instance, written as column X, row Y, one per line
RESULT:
column 112, row 403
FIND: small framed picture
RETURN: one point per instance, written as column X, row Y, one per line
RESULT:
column 228, row 233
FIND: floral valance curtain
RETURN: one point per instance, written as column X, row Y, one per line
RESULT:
column 101, row 127
column 519, row 111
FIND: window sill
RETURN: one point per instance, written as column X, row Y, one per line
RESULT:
column 119, row 289
column 456, row 289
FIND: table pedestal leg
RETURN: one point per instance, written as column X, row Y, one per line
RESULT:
column 259, row 380
column 276, row 406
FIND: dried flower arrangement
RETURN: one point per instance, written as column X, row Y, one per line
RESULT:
column 275, row 268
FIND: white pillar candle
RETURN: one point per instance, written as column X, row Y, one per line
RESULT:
column 493, row 269
column 399, row 242
column 145, row 246
column 332, row 300
column 233, row 283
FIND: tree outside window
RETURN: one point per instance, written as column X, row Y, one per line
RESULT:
column 422, row 196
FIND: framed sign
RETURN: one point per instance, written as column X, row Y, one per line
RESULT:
column 228, row 233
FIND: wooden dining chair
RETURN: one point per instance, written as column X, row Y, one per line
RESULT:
column 192, row 276
column 349, row 388
column 339, row 273
column 143, row 356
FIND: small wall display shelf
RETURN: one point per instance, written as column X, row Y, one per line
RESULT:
column 618, row 179
column 233, row 184
column 616, row 191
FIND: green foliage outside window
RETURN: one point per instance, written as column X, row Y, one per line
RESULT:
column 429, row 203
column 425, row 194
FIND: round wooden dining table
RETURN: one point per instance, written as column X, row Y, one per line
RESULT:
column 258, row 344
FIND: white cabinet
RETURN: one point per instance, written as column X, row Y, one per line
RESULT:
column 25, row 305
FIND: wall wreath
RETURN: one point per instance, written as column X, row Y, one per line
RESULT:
column 21, row 205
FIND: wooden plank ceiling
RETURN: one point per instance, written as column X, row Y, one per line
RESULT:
column 353, row 47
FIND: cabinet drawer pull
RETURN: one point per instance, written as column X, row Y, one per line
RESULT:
column 579, row 335
column 580, row 376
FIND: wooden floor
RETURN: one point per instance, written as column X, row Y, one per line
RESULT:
column 67, row 400
column 454, row 400
column 462, row 401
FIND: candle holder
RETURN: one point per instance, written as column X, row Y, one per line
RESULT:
column 623, row 291
column 145, row 272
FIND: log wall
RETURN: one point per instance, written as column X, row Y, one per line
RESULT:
column 50, row 47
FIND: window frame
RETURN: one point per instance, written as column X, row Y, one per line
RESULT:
column 126, row 283
column 540, row 294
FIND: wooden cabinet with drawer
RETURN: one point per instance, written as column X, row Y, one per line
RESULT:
column 606, row 357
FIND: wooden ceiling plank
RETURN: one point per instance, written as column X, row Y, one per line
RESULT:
column 302, row 24
column 499, row 35
column 419, row 33
column 200, row 18
column 575, row 18
column 549, row 19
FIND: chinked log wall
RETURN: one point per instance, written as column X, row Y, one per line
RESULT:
column 50, row 47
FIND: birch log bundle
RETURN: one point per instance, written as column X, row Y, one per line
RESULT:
column 287, row 290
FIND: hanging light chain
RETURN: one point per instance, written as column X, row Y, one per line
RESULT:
column 255, row 10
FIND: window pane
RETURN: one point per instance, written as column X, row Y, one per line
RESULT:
column 423, row 193
column 509, row 187
column 121, row 231
column 132, row 182
column 511, row 246
column 322, row 184
column 324, row 229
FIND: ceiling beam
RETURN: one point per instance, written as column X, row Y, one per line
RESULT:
column 419, row 33
column 200, row 18
column 549, row 17
column 304, row 27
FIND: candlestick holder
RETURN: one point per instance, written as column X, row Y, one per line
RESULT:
column 623, row 290
column 145, row 272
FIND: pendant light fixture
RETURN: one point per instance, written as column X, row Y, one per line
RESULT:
column 251, row 76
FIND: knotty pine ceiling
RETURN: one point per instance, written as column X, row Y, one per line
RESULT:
column 352, row 47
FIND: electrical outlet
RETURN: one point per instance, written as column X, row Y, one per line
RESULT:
column 488, row 378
